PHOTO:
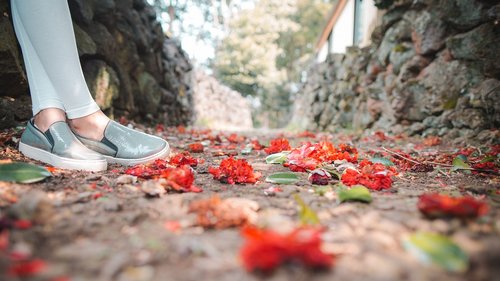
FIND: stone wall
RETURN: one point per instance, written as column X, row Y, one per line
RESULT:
column 218, row 107
column 131, row 67
column 433, row 69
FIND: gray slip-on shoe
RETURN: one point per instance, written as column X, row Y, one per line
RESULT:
column 126, row 146
column 59, row 147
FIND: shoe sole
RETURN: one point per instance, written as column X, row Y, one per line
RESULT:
column 62, row 162
column 131, row 162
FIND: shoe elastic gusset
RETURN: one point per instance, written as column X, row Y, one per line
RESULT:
column 59, row 147
column 125, row 146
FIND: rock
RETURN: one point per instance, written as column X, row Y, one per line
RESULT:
column 124, row 39
column 486, row 96
column 475, row 45
column 409, row 102
column 112, row 205
column 428, row 33
column 400, row 54
column 33, row 206
column 151, row 95
column 463, row 14
column 102, row 81
column 469, row 118
column 81, row 10
column 447, row 81
column 431, row 69
column 232, row 111
column 397, row 33
column 85, row 44
column 14, row 111
column 13, row 82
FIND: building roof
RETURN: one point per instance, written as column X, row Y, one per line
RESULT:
column 330, row 23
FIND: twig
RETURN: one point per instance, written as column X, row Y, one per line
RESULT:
column 401, row 156
column 435, row 163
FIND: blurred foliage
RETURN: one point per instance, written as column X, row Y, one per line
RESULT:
column 266, row 50
column 263, row 50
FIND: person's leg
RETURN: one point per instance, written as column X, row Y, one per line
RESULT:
column 47, row 137
column 48, row 28
column 46, row 105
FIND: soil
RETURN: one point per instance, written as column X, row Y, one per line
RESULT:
column 101, row 226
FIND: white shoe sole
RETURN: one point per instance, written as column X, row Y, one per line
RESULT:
column 62, row 162
column 131, row 162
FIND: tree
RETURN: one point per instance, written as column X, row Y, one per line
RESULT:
column 266, row 49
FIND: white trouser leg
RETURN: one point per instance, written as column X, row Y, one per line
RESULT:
column 45, row 33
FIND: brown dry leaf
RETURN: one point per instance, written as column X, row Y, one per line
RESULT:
column 7, row 194
column 216, row 213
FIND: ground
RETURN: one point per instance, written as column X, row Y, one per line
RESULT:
column 106, row 226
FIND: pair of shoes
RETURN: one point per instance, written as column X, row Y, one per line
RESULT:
column 61, row 148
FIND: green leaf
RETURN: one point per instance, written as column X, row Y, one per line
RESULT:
column 355, row 193
column 22, row 172
column 437, row 249
column 382, row 160
column 283, row 178
column 321, row 190
column 330, row 168
column 459, row 164
column 490, row 158
column 277, row 158
column 306, row 214
column 247, row 150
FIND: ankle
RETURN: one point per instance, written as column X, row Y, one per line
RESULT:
column 91, row 126
column 46, row 117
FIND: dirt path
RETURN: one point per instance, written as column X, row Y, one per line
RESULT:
column 102, row 226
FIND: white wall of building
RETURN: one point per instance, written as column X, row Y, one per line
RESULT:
column 343, row 31
column 370, row 18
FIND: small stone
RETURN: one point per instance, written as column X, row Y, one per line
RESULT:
column 126, row 179
column 112, row 205
column 33, row 206
column 142, row 273
column 153, row 188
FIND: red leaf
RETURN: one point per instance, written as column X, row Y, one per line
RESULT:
column 196, row 147
column 4, row 240
column 234, row 171
column 373, row 176
column 256, row 145
column 183, row 158
column 437, row 205
column 278, row 145
column 22, row 224
column 432, row 141
column 180, row 179
column 310, row 156
column 264, row 250
column 26, row 268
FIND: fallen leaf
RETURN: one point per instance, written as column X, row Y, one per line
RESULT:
column 382, row 160
column 306, row 214
column 264, row 250
column 22, row 172
column 438, row 205
column 278, row 145
column 437, row 249
column 283, row 178
column 354, row 193
column 277, row 158
column 217, row 213
column 459, row 164
column 233, row 171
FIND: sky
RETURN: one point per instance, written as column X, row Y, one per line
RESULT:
column 200, row 51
